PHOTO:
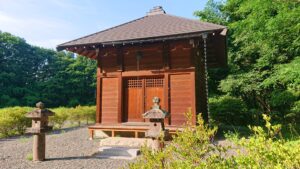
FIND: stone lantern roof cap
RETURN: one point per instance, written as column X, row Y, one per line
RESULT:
column 39, row 112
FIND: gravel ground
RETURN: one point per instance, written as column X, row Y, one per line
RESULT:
column 64, row 149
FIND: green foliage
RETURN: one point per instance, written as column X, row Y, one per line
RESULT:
column 60, row 117
column 29, row 157
column 82, row 113
column 264, row 54
column 212, row 13
column 13, row 121
column 193, row 148
column 78, row 115
column 230, row 111
column 29, row 74
column 265, row 150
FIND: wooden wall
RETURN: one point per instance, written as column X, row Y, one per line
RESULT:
column 181, row 97
column 181, row 65
column 110, row 100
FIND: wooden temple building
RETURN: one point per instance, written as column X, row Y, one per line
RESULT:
column 156, row 55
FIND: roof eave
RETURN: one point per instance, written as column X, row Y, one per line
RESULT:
column 143, row 40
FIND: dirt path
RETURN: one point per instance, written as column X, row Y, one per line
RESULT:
column 64, row 149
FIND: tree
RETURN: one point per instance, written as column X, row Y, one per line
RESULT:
column 29, row 74
column 263, row 35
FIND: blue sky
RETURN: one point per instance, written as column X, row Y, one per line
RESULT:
column 47, row 23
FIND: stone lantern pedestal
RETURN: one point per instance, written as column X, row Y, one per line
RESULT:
column 39, row 126
column 157, row 129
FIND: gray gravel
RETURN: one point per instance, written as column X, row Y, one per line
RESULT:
column 64, row 149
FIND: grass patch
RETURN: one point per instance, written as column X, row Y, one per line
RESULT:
column 29, row 157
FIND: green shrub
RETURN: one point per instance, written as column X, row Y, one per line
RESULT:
column 193, row 148
column 13, row 120
column 228, row 110
column 89, row 113
column 294, row 115
column 266, row 149
column 73, row 115
column 187, row 150
column 60, row 117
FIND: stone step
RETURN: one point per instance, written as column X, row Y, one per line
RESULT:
column 117, row 153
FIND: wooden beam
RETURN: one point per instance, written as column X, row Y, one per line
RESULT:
column 193, row 92
column 99, row 88
column 166, row 55
column 166, row 96
column 91, row 54
column 79, row 50
column 85, row 52
column 120, row 58
column 120, row 98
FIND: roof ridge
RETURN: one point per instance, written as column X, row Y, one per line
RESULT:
column 104, row 30
column 196, row 20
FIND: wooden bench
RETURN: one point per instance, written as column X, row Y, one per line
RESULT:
column 124, row 128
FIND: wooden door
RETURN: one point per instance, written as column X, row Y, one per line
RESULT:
column 154, row 87
column 133, row 97
column 138, row 95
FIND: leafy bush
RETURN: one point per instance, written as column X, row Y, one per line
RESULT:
column 265, row 150
column 229, row 110
column 188, row 149
column 193, row 148
column 60, row 117
column 82, row 113
column 13, row 120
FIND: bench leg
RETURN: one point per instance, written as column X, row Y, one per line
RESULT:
column 136, row 134
column 113, row 133
column 91, row 133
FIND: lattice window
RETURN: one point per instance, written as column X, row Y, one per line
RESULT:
column 155, row 82
column 134, row 83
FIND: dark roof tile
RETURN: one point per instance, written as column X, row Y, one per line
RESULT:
column 147, row 27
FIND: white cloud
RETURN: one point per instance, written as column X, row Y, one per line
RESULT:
column 38, row 31
column 48, row 43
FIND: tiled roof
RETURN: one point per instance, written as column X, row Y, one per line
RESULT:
column 147, row 27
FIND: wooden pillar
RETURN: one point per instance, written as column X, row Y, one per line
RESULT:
column 99, row 87
column 201, row 100
column 120, row 58
column 120, row 61
column 166, row 55
column 193, row 92
column 166, row 63
column 166, row 96
column 120, row 101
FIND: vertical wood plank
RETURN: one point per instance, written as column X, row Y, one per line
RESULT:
column 193, row 96
column 99, row 88
column 120, row 100
column 143, row 96
column 120, row 58
column 166, row 55
column 166, row 96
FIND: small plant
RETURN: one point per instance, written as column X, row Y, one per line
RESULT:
column 29, row 157
column 193, row 148
column 190, row 148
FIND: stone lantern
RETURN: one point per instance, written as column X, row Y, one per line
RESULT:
column 156, row 117
column 39, row 126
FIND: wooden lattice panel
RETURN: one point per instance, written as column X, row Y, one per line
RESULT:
column 155, row 82
column 134, row 83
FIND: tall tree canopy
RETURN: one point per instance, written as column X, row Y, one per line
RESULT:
column 264, row 51
column 29, row 74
